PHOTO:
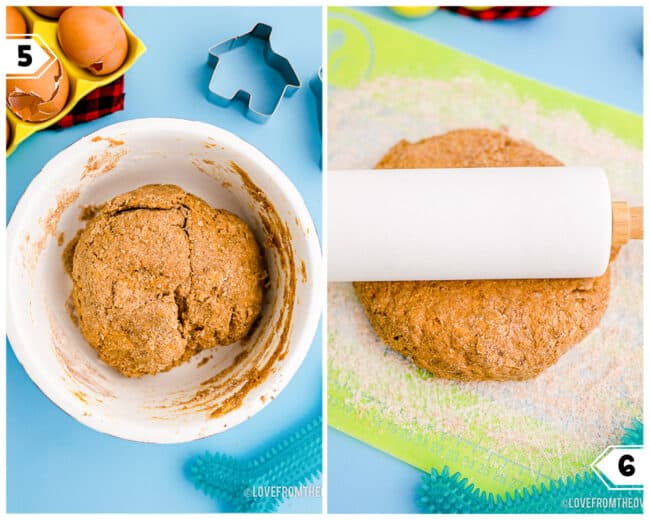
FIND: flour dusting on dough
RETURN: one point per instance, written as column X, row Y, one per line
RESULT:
column 554, row 424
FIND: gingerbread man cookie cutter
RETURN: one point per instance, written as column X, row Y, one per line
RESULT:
column 279, row 63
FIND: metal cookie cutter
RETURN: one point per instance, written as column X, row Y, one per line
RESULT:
column 316, row 85
column 262, row 32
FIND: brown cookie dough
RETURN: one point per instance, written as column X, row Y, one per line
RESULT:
column 159, row 275
column 481, row 329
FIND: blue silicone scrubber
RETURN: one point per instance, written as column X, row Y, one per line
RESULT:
column 245, row 485
column 445, row 493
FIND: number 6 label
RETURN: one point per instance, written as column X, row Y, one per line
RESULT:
column 621, row 467
column 26, row 57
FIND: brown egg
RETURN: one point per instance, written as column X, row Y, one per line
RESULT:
column 93, row 38
column 15, row 22
column 49, row 12
column 40, row 99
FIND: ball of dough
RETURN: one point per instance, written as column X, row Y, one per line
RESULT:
column 481, row 329
column 159, row 275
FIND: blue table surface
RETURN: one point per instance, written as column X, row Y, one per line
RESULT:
column 55, row 464
column 595, row 52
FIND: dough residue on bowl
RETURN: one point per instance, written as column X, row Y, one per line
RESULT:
column 269, row 343
column 159, row 275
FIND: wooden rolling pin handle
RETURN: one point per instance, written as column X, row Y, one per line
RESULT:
column 627, row 223
column 636, row 223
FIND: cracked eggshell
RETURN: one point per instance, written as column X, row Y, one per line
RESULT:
column 49, row 11
column 93, row 38
column 39, row 99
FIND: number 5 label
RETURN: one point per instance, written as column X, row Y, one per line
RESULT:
column 621, row 467
column 26, row 57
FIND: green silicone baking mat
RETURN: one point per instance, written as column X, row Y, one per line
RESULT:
column 387, row 84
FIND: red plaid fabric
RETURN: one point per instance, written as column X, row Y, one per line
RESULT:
column 100, row 102
column 500, row 13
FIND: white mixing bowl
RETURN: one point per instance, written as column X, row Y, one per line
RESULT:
column 203, row 396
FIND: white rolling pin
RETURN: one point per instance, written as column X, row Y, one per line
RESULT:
column 467, row 224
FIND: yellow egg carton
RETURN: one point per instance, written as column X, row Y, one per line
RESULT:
column 82, row 82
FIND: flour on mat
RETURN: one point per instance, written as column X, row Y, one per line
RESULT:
column 575, row 408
